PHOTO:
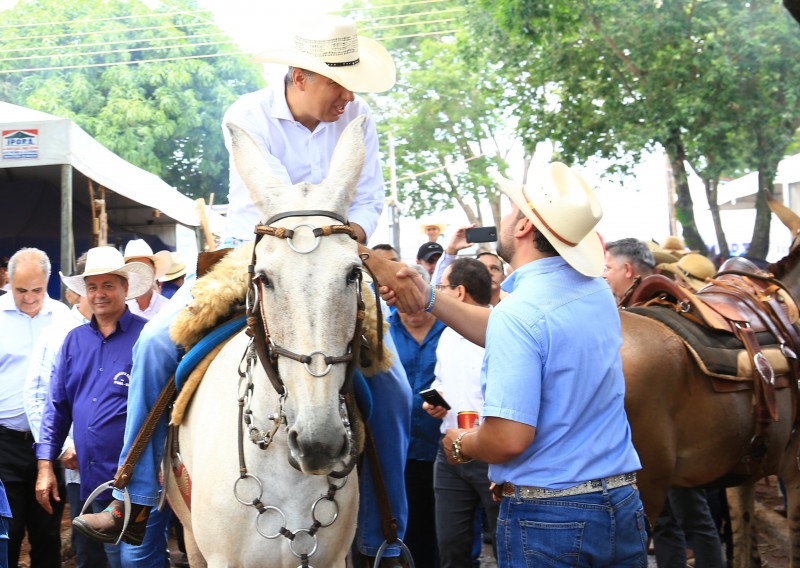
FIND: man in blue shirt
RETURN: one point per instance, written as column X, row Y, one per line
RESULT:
column 89, row 385
column 554, row 428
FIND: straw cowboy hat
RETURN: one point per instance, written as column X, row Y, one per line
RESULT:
column 660, row 254
column 423, row 226
column 563, row 207
column 108, row 260
column 328, row 45
column 176, row 270
column 693, row 268
column 138, row 248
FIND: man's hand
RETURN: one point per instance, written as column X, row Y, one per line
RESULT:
column 46, row 485
column 69, row 459
column 459, row 240
column 436, row 411
column 447, row 443
column 405, row 287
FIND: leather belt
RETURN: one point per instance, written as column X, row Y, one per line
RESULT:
column 593, row 486
column 22, row 435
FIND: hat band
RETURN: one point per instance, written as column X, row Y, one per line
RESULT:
column 546, row 226
column 343, row 64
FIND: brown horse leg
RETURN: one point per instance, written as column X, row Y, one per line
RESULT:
column 745, row 545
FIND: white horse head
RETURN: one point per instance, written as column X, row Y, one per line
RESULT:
column 309, row 292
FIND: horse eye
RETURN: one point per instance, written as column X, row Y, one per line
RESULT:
column 354, row 274
column 265, row 281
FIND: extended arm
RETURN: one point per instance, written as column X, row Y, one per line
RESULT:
column 496, row 440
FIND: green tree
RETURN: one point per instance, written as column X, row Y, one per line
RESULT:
column 149, row 84
column 608, row 78
column 445, row 113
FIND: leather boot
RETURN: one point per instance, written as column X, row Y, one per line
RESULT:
column 106, row 525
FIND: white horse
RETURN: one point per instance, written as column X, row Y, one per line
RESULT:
column 245, row 508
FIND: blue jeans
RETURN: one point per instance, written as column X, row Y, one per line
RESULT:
column 88, row 553
column 595, row 529
column 152, row 553
column 155, row 358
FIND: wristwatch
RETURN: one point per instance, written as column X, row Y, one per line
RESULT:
column 458, row 455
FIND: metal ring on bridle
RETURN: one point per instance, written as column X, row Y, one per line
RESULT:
column 261, row 513
column 236, row 485
column 317, row 239
column 313, row 536
column 335, row 512
column 332, row 481
column 312, row 373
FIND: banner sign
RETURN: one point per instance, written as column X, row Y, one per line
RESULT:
column 21, row 144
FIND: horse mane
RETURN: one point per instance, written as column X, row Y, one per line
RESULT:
column 781, row 268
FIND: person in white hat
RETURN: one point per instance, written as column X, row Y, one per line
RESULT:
column 89, row 387
column 150, row 302
column 174, row 277
column 552, row 378
column 297, row 125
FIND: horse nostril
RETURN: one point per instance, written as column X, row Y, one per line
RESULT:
column 294, row 446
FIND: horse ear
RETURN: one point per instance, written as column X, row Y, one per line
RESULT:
column 786, row 215
column 253, row 167
column 347, row 162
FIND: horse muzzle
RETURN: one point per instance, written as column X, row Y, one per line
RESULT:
column 317, row 454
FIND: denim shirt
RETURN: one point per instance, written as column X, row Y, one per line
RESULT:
column 419, row 361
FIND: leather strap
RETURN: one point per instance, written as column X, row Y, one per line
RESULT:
column 125, row 471
column 388, row 522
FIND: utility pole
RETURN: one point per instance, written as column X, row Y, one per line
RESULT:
column 394, row 210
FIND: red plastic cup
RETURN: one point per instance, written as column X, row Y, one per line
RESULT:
column 467, row 419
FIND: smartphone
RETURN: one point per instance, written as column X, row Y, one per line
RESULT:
column 481, row 234
column 433, row 397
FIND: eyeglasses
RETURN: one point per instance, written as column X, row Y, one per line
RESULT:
column 441, row 287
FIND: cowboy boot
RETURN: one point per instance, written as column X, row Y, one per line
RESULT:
column 106, row 525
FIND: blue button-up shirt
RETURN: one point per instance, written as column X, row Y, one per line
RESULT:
column 419, row 362
column 89, row 387
column 552, row 361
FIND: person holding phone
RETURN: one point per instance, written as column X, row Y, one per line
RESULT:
column 460, row 489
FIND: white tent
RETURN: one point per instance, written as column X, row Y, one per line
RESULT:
column 44, row 148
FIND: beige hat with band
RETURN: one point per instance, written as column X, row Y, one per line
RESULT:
column 563, row 207
column 329, row 45
column 108, row 260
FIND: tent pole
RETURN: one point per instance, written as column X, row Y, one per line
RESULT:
column 67, row 237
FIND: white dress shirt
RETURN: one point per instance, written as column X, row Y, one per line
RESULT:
column 157, row 301
column 458, row 375
column 296, row 154
column 37, row 383
column 17, row 339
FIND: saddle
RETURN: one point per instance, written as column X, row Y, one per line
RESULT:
column 741, row 328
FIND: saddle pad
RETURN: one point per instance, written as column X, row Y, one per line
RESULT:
column 718, row 353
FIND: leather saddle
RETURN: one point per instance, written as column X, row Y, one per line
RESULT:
column 742, row 302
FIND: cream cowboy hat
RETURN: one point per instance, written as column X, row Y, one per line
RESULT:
column 138, row 248
column 108, row 260
column 563, row 207
column 328, row 45
column 177, row 269
column 693, row 268
column 423, row 226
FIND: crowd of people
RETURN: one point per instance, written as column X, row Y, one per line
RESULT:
column 500, row 334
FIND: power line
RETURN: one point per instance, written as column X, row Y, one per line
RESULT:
column 421, row 34
column 440, row 168
column 410, row 24
column 401, row 4
column 109, row 19
column 137, row 62
column 395, row 16
column 117, row 51
column 118, row 30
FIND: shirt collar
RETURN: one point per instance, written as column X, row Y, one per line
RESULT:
column 123, row 323
column 540, row 266
column 7, row 304
column 280, row 108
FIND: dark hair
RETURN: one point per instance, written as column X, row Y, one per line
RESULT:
column 637, row 253
column 473, row 275
column 384, row 246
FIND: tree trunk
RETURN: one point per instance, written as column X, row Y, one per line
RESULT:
column 759, row 244
column 684, row 208
column 711, row 185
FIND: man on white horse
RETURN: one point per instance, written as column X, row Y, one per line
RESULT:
column 297, row 128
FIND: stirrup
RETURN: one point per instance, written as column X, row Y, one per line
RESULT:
column 404, row 552
column 126, row 498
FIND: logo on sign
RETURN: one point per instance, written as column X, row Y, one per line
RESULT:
column 21, row 144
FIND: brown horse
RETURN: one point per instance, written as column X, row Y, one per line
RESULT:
column 688, row 435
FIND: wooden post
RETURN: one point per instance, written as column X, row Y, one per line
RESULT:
column 67, row 237
column 201, row 209
column 102, row 239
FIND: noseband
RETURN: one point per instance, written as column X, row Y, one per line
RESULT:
column 257, row 327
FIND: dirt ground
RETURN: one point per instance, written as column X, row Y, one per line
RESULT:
column 772, row 530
